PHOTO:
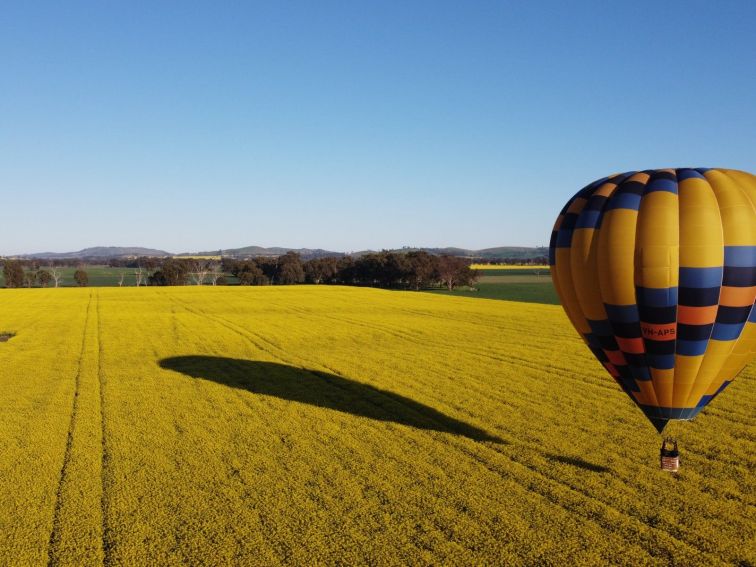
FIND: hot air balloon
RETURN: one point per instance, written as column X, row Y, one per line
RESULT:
column 656, row 270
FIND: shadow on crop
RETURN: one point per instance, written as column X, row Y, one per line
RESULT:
column 321, row 389
column 578, row 462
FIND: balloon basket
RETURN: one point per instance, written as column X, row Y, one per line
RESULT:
column 669, row 456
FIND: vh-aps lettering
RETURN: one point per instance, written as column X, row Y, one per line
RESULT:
column 664, row 332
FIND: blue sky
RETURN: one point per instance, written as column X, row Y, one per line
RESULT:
column 352, row 125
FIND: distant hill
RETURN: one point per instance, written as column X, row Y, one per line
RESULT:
column 498, row 253
column 106, row 252
column 261, row 251
column 103, row 252
column 511, row 252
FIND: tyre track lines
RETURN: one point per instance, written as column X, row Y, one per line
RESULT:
column 538, row 472
column 509, row 359
column 271, row 347
column 533, row 487
column 53, row 548
column 459, row 443
column 106, row 476
column 244, row 334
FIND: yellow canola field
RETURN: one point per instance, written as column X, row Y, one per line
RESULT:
column 506, row 267
column 322, row 425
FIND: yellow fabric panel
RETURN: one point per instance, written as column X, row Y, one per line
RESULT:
column 743, row 353
column 744, row 180
column 646, row 396
column 713, row 388
column 716, row 355
column 584, row 276
column 700, row 225
column 657, row 259
column 739, row 229
column 686, row 369
column 568, row 296
column 738, row 216
column 616, row 252
column 663, row 381
column 557, row 284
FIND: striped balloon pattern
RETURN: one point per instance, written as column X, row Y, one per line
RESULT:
column 656, row 270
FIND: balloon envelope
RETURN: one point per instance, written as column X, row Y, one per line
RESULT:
column 656, row 269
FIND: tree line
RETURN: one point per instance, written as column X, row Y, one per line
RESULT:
column 412, row 270
column 16, row 276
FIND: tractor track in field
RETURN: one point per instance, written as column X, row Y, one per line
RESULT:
column 544, row 491
column 245, row 488
column 54, row 541
column 480, row 387
column 245, row 334
column 105, row 472
column 517, row 460
column 270, row 348
column 544, row 488
column 521, row 361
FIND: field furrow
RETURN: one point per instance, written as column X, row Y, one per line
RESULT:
column 76, row 535
column 309, row 425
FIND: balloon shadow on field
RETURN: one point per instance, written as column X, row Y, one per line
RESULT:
column 321, row 389
column 578, row 462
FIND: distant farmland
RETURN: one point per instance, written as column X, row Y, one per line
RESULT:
column 333, row 425
column 99, row 276
column 512, row 283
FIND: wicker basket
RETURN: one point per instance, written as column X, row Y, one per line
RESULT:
column 669, row 456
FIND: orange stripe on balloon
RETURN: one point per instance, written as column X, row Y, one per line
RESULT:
column 632, row 346
column 696, row 315
column 576, row 206
column 737, row 296
column 659, row 332
column 616, row 357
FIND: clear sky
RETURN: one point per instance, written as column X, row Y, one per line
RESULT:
column 352, row 125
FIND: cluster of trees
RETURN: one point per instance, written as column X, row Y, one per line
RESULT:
column 284, row 270
column 28, row 274
column 412, row 270
column 182, row 271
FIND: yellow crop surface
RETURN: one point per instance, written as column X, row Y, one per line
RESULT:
column 326, row 425
column 507, row 267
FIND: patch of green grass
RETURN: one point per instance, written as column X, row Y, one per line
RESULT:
column 533, row 291
column 99, row 276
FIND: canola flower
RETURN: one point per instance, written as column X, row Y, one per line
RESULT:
column 322, row 425
column 507, row 267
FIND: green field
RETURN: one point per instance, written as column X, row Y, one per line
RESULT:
column 531, row 286
column 332, row 425
column 99, row 276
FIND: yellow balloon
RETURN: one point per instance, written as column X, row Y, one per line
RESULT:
column 656, row 270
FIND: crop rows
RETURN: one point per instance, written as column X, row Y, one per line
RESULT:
column 343, row 425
